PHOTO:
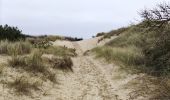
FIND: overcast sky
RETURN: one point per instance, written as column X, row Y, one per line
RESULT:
column 80, row 18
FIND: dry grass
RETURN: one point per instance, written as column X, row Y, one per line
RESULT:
column 33, row 63
column 64, row 63
column 16, row 48
column 60, row 51
column 1, row 69
column 24, row 57
column 129, row 56
column 17, row 61
column 154, row 88
column 24, row 85
column 144, row 51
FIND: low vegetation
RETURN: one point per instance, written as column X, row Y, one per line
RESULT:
column 64, row 64
column 144, row 47
column 24, row 85
column 111, row 33
column 25, row 53
column 130, row 56
column 32, row 63
column 1, row 69
column 100, row 34
column 141, row 45
column 151, row 47
column 16, row 48
column 60, row 51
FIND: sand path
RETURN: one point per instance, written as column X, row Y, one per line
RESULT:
column 91, row 79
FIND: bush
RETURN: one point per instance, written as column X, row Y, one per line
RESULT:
column 42, row 43
column 158, row 53
column 158, row 17
column 10, row 33
column 100, row 34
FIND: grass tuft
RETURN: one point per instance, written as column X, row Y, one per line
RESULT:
column 17, row 61
column 33, row 63
column 16, row 48
column 60, row 51
column 24, row 85
column 129, row 56
column 64, row 63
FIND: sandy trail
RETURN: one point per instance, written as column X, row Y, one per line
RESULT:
column 92, row 79
column 97, row 85
column 87, row 82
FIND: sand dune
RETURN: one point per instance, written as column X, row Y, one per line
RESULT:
column 91, row 80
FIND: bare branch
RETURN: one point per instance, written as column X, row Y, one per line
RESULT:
column 157, row 17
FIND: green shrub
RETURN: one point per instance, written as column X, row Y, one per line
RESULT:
column 158, row 53
column 100, row 34
column 10, row 33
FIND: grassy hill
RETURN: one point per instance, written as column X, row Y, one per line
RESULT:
column 145, row 46
column 141, row 48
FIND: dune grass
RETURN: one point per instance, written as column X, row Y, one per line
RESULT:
column 17, row 61
column 32, row 63
column 129, row 56
column 16, row 48
column 64, row 63
column 141, row 46
column 60, row 51
column 142, row 49
column 1, row 69
column 24, row 85
column 36, row 64
column 23, row 55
